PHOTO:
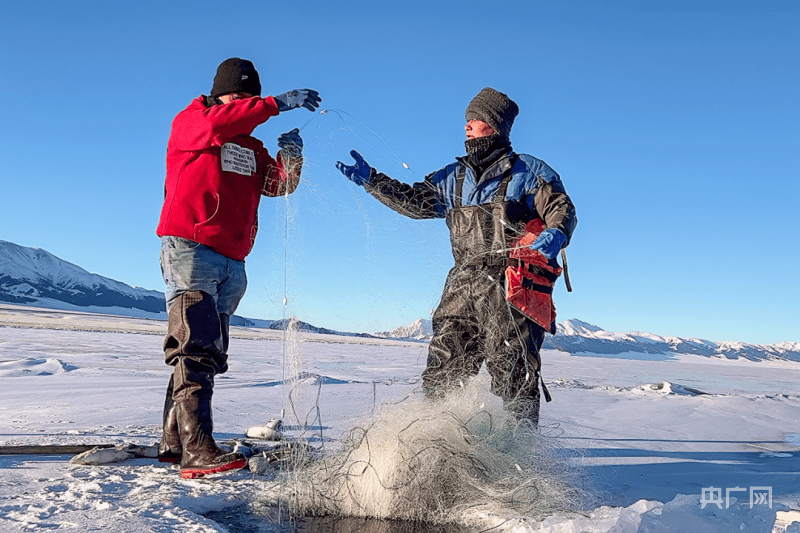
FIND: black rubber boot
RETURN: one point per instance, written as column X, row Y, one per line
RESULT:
column 201, row 455
column 195, row 346
column 169, row 449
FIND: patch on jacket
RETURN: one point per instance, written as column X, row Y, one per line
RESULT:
column 238, row 159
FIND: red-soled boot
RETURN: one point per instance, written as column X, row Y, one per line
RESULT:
column 201, row 455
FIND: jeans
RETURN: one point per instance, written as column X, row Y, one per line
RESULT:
column 190, row 266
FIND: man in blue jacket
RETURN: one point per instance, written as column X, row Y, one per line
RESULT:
column 491, row 199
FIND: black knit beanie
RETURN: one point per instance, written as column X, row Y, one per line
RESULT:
column 236, row 75
column 494, row 108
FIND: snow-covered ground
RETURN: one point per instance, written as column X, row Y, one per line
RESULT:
column 645, row 436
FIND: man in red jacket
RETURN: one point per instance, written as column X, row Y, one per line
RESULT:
column 216, row 175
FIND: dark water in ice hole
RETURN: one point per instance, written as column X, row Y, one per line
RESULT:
column 242, row 519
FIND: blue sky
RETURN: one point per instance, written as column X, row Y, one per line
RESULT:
column 674, row 127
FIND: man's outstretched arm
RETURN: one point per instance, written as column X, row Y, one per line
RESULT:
column 419, row 201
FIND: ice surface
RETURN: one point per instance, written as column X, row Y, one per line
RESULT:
column 646, row 444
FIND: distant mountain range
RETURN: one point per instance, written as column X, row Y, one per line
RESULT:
column 581, row 338
column 574, row 336
column 419, row 330
column 32, row 276
column 291, row 323
column 35, row 276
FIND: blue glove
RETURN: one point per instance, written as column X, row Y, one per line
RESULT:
column 549, row 242
column 358, row 173
column 291, row 144
column 307, row 98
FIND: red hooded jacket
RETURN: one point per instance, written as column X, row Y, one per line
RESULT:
column 217, row 172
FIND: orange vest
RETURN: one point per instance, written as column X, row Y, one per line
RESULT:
column 530, row 278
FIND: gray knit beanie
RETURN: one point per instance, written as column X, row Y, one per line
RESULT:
column 494, row 108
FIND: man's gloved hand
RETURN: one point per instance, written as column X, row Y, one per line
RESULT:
column 358, row 173
column 291, row 143
column 549, row 242
column 307, row 98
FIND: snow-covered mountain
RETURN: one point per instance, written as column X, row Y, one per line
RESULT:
column 420, row 330
column 36, row 277
column 577, row 337
column 32, row 276
column 574, row 336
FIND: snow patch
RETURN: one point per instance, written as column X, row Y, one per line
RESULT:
column 666, row 388
column 31, row 367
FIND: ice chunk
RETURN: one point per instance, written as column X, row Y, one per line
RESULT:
column 269, row 431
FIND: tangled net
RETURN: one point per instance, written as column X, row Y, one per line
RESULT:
column 459, row 460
